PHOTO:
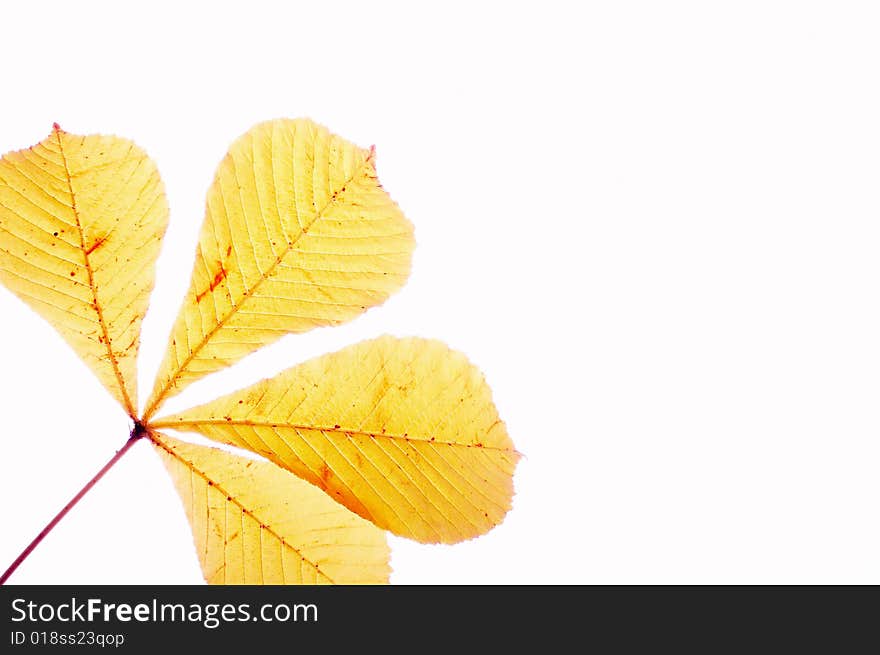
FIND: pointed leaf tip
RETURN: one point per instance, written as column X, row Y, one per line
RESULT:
column 298, row 234
column 401, row 431
column 83, row 217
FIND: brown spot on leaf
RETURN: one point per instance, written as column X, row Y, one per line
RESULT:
column 326, row 473
column 218, row 278
column 96, row 244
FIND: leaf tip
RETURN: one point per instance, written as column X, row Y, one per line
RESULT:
column 56, row 127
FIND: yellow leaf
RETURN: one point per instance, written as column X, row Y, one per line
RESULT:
column 256, row 524
column 401, row 431
column 298, row 233
column 81, row 221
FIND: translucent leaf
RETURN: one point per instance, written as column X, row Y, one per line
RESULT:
column 402, row 431
column 81, row 221
column 298, row 233
column 254, row 523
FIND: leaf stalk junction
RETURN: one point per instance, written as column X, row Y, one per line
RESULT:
column 138, row 431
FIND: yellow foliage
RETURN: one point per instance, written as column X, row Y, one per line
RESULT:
column 255, row 524
column 81, row 221
column 401, row 431
column 298, row 233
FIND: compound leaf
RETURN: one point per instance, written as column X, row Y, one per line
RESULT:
column 388, row 434
column 401, row 431
column 298, row 233
column 81, row 222
column 254, row 523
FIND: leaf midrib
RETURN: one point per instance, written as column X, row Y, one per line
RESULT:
column 231, row 498
column 340, row 430
column 264, row 275
column 129, row 406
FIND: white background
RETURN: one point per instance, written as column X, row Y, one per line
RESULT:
column 654, row 226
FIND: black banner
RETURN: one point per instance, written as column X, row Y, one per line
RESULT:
column 221, row 619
